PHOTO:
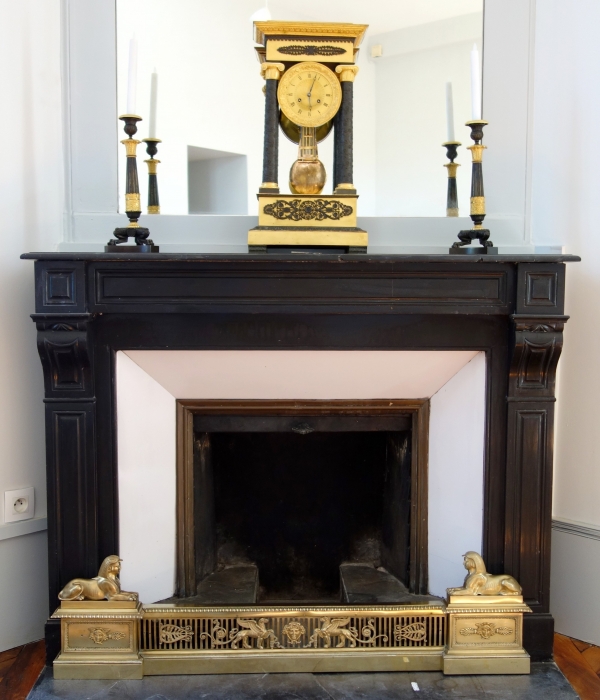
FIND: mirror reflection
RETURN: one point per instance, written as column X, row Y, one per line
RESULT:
column 414, row 87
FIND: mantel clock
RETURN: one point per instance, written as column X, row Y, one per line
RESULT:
column 309, row 70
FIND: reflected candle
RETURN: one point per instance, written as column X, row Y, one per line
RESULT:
column 475, row 84
column 449, row 112
column 153, row 102
column 132, row 76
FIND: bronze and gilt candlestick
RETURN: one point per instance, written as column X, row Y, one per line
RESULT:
column 467, row 237
column 152, row 150
column 133, row 207
column 452, row 196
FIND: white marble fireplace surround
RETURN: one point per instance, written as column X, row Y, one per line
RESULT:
column 149, row 382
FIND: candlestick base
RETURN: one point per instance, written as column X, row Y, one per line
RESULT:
column 145, row 248
column 467, row 237
column 143, row 244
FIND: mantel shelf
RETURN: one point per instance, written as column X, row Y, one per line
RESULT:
column 240, row 257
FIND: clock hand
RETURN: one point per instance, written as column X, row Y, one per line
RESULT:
column 309, row 93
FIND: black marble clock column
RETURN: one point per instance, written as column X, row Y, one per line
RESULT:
column 343, row 133
column 271, row 72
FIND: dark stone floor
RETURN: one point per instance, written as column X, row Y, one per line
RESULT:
column 546, row 682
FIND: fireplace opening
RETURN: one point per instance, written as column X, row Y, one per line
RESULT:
column 299, row 506
column 321, row 507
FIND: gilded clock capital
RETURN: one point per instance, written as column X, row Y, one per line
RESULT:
column 271, row 71
column 347, row 73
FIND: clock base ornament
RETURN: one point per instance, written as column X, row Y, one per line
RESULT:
column 313, row 221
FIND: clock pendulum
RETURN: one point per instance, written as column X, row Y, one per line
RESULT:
column 307, row 99
column 307, row 174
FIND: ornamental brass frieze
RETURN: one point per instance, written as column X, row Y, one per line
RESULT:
column 486, row 630
column 99, row 635
column 307, row 210
column 310, row 50
column 280, row 629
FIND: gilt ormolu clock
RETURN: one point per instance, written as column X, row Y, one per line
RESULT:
column 309, row 70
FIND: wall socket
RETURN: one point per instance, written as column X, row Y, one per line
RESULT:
column 19, row 504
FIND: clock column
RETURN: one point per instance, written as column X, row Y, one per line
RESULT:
column 343, row 124
column 271, row 72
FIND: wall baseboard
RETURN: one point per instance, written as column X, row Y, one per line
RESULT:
column 575, row 563
column 572, row 527
column 23, row 527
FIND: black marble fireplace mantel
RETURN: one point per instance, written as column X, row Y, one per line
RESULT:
column 89, row 306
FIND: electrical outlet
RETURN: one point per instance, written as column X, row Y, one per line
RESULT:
column 19, row 504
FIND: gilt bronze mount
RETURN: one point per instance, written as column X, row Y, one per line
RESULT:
column 480, row 630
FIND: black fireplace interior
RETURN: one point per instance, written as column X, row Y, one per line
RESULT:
column 281, row 504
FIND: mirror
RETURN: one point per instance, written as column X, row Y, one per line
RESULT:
column 210, row 105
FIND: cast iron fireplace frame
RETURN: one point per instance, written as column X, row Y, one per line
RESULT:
column 89, row 306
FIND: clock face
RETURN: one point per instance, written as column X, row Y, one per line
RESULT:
column 309, row 94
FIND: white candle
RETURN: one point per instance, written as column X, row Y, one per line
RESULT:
column 475, row 84
column 153, row 94
column 449, row 112
column 132, row 77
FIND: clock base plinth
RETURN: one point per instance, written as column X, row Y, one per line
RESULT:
column 317, row 239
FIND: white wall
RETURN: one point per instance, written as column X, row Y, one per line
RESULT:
column 31, row 202
column 146, row 482
column 456, row 429
column 149, row 381
column 566, row 187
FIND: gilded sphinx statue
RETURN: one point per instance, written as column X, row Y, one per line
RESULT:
column 479, row 582
column 104, row 586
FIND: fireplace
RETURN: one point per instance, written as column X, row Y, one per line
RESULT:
column 89, row 307
column 279, row 495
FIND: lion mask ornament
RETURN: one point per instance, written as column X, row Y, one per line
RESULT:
column 479, row 582
column 104, row 586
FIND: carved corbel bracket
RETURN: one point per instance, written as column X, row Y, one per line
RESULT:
column 538, row 344
column 64, row 352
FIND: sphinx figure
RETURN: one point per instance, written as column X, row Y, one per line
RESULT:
column 104, row 586
column 479, row 582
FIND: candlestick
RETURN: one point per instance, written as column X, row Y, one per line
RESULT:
column 450, row 114
column 152, row 150
column 133, row 207
column 153, row 104
column 475, row 84
column 452, row 196
column 477, row 201
column 132, row 75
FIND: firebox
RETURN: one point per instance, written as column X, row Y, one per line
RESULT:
column 302, row 503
